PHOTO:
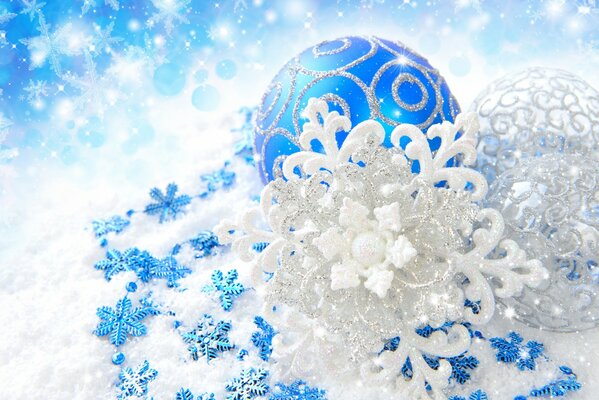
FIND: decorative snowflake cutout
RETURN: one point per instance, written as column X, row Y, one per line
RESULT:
column 169, row 269
column 227, row 286
column 121, row 321
column 167, row 205
column 208, row 338
column 218, row 179
column 558, row 388
column 134, row 382
column 478, row 395
column 204, row 243
column 114, row 224
column 186, row 394
column 298, row 390
column 250, row 384
column 365, row 250
column 129, row 260
column 513, row 351
column 263, row 339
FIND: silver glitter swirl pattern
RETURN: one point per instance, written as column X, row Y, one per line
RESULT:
column 533, row 112
column 550, row 206
column 285, row 93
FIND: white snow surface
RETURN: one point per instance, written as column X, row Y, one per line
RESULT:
column 49, row 290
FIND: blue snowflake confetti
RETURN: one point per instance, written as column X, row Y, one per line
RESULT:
column 114, row 224
column 121, row 321
column 169, row 269
column 477, row 395
column 186, row 394
column 513, row 351
column 134, row 382
column 204, row 244
column 218, row 179
column 226, row 285
column 250, row 384
column 298, row 390
column 559, row 387
column 263, row 339
column 208, row 338
column 167, row 205
column 460, row 366
column 116, row 261
column 244, row 147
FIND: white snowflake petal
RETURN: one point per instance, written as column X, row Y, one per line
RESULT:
column 330, row 243
column 352, row 214
column 388, row 217
column 402, row 252
column 379, row 282
column 345, row 275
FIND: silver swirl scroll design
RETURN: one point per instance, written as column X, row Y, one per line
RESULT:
column 532, row 112
column 551, row 209
column 307, row 75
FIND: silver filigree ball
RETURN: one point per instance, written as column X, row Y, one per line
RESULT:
column 533, row 112
column 550, row 206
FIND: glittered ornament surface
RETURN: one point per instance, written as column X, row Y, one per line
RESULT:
column 550, row 206
column 534, row 112
column 360, row 250
column 360, row 77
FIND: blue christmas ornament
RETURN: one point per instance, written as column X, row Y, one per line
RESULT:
column 361, row 77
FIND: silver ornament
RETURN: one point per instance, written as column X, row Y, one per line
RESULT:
column 533, row 112
column 551, row 209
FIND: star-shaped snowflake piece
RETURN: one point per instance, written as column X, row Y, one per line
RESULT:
column 204, row 243
column 227, row 286
column 169, row 269
column 298, row 390
column 513, row 351
column 114, row 224
column 116, row 261
column 208, row 338
column 134, row 382
column 263, row 339
column 120, row 321
column 250, row 384
column 168, row 205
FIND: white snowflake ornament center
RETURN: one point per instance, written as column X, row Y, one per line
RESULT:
column 368, row 248
column 360, row 246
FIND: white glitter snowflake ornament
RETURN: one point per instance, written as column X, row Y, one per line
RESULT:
column 362, row 250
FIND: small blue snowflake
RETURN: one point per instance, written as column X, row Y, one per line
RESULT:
column 478, row 395
column 134, row 382
column 244, row 147
column 121, row 321
column 114, row 224
column 513, row 351
column 227, row 286
column 242, row 354
column 169, row 269
column 298, row 390
column 218, row 179
column 459, row 367
column 263, row 339
column 167, row 205
column 116, row 261
column 560, row 387
column 186, row 394
column 250, row 384
column 208, row 338
column 204, row 243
